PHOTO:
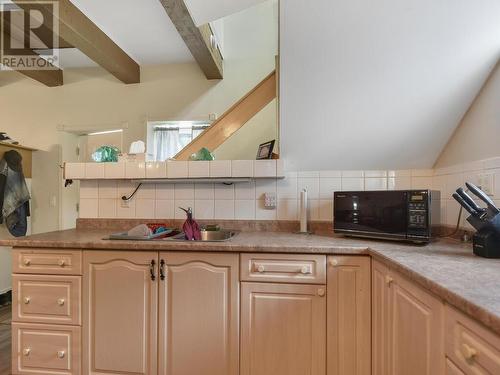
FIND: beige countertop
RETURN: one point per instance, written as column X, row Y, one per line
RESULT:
column 446, row 268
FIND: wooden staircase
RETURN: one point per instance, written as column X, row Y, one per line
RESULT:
column 234, row 118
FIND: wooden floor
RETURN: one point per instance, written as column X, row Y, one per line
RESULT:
column 5, row 332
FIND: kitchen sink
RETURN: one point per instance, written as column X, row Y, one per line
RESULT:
column 206, row 236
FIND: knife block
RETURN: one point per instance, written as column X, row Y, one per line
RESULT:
column 486, row 243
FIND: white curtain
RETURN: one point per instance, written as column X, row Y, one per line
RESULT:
column 169, row 141
column 166, row 144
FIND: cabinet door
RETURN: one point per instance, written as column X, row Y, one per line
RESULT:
column 416, row 342
column 380, row 318
column 283, row 329
column 199, row 314
column 349, row 316
column 120, row 313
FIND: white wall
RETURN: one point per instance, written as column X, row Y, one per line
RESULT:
column 477, row 137
column 380, row 84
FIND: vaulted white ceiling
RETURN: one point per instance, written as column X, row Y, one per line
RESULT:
column 380, row 84
column 144, row 30
column 204, row 11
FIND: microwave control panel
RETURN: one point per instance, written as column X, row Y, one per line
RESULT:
column 418, row 207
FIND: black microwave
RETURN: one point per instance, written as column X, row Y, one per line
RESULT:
column 406, row 215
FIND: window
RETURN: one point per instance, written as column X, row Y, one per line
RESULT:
column 169, row 137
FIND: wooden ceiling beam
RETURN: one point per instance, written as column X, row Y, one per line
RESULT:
column 197, row 39
column 77, row 30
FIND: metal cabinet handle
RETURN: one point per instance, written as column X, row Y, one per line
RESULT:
column 62, row 262
column 27, row 262
column 334, row 262
column 27, row 300
column 26, row 352
column 261, row 269
column 61, row 354
column 61, row 301
column 152, row 270
column 162, row 269
column 468, row 352
column 321, row 292
column 305, row 270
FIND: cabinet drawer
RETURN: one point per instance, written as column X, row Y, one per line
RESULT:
column 470, row 346
column 46, row 299
column 45, row 349
column 284, row 268
column 47, row 261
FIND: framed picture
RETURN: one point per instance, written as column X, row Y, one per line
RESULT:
column 266, row 150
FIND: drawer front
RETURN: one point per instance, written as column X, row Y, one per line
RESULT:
column 46, row 299
column 45, row 349
column 284, row 268
column 46, row 261
column 451, row 369
column 470, row 346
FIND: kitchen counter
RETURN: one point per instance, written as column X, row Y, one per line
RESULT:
column 447, row 268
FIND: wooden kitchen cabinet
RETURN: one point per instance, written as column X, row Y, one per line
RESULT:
column 199, row 314
column 120, row 294
column 349, row 315
column 283, row 329
column 408, row 324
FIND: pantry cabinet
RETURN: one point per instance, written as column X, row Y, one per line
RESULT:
column 120, row 300
column 349, row 317
column 407, row 326
column 199, row 314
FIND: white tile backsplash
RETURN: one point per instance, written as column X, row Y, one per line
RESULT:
column 164, row 208
column 183, row 191
column 310, row 184
column 353, row 184
column 245, row 201
column 244, row 191
column 165, row 191
column 242, row 168
column 327, row 186
column 204, row 208
column 224, row 209
column 135, row 170
column 145, row 208
column 204, row 191
column 220, row 168
column 222, row 191
column 244, row 209
column 156, row 170
column 287, row 209
column 198, row 169
column 114, row 170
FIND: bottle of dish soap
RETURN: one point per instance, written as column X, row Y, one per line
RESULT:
column 190, row 227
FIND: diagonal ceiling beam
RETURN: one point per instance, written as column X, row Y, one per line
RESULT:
column 197, row 39
column 77, row 30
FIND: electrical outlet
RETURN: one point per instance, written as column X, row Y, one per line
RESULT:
column 486, row 183
column 124, row 204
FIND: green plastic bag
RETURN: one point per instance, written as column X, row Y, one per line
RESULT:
column 105, row 154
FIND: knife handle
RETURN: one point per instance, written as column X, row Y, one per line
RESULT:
column 465, row 205
column 483, row 196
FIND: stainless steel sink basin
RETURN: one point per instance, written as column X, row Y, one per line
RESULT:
column 218, row 235
column 206, row 236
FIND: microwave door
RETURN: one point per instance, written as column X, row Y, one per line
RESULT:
column 373, row 212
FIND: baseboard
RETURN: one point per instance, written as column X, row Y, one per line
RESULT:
column 6, row 298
